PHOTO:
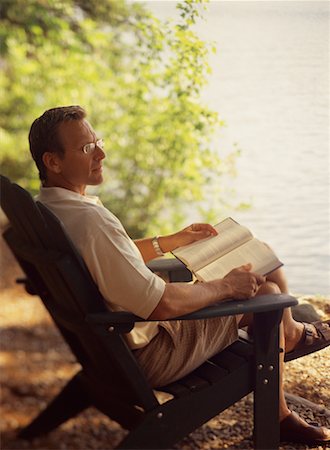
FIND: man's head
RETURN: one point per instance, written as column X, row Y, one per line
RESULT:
column 65, row 149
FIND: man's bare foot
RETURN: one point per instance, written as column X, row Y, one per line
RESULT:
column 293, row 336
column 295, row 429
column 312, row 336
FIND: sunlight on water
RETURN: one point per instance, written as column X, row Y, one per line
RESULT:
column 270, row 84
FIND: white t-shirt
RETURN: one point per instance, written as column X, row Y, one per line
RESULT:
column 112, row 258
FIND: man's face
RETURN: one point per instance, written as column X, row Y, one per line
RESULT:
column 78, row 169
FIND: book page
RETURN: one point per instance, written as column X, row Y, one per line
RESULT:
column 262, row 258
column 198, row 254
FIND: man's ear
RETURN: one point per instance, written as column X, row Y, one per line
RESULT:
column 52, row 162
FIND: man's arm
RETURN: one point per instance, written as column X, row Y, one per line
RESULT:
column 170, row 242
column 182, row 298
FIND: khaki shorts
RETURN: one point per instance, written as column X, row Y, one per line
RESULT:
column 183, row 345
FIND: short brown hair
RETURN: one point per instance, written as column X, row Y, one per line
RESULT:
column 43, row 136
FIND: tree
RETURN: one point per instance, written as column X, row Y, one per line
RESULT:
column 140, row 81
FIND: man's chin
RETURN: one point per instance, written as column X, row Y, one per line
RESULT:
column 95, row 181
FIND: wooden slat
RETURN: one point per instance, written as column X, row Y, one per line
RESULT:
column 176, row 389
column 211, row 372
column 194, row 382
column 242, row 349
column 228, row 360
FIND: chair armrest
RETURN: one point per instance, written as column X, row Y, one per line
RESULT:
column 174, row 268
column 262, row 303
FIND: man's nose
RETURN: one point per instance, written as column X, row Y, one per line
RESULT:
column 99, row 154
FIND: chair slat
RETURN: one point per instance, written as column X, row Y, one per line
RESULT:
column 228, row 360
column 211, row 372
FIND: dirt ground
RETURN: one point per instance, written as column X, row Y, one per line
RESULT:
column 36, row 363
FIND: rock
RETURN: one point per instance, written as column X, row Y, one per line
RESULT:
column 305, row 312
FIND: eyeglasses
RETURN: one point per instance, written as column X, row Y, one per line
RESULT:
column 90, row 148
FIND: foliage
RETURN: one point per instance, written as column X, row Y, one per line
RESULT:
column 139, row 79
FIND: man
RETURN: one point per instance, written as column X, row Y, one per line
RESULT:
column 69, row 157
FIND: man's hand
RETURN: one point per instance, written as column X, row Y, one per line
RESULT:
column 188, row 235
column 242, row 282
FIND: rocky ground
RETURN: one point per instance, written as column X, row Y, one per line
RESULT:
column 35, row 364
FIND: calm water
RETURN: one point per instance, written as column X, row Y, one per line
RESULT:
column 270, row 84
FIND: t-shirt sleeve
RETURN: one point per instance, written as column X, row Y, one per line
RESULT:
column 118, row 269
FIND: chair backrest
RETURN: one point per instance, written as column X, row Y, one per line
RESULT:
column 60, row 277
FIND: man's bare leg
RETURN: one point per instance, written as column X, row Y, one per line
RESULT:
column 293, row 330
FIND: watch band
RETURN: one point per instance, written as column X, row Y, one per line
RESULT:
column 156, row 246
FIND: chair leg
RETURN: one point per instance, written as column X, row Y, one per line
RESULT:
column 266, row 394
column 68, row 403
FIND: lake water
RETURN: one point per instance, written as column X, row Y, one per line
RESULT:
column 270, row 84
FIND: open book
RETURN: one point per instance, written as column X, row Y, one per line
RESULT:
column 234, row 246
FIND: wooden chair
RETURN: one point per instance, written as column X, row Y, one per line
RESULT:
column 110, row 377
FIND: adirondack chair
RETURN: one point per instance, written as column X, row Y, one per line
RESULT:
column 110, row 377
